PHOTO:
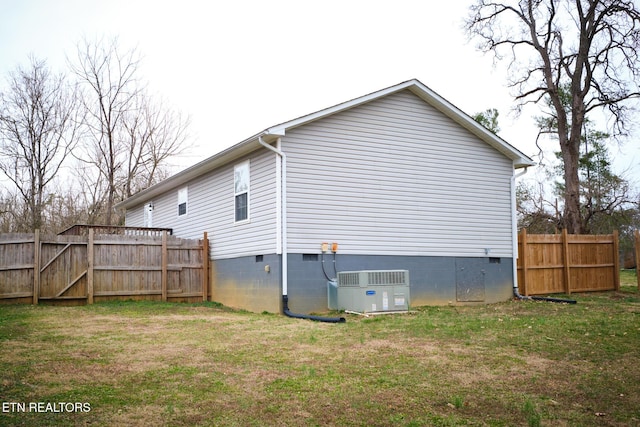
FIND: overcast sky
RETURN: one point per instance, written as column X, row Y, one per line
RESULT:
column 237, row 67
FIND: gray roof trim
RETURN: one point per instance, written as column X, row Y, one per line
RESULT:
column 519, row 159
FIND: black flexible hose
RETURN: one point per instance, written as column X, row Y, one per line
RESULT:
column 323, row 270
column 548, row 299
column 285, row 310
column 560, row 300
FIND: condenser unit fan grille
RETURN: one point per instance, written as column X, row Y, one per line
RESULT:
column 387, row 278
column 372, row 278
column 349, row 279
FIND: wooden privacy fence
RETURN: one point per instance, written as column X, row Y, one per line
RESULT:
column 636, row 240
column 566, row 263
column 93, row 267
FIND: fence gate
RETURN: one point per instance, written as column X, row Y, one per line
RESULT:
column 63, row 268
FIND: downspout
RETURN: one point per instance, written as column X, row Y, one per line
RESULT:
column 514, row 233
column 283, row 228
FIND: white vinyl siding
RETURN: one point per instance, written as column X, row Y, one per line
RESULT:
column 390, row 177
column 134, row 217
column 211, row 208
column 396, row 177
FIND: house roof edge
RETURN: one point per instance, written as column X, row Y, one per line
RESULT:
column 250, row 144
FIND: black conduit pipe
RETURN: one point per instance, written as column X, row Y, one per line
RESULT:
column 285, row 310
column 560, row 300
column 548, row 299
column 323, row 270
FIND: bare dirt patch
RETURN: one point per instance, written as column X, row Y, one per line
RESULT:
column 178, row 365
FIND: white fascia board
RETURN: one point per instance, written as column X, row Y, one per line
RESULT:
column 520, row 159
column 430, row 97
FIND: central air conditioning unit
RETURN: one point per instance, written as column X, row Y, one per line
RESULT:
column 370, row 291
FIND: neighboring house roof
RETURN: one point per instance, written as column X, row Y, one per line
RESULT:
column 250, row 144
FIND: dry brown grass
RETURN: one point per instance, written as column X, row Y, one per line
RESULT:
column 516, row 363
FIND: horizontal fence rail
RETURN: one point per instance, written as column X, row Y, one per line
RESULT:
column 83, row 229
column 566, row 263
column 80, row 269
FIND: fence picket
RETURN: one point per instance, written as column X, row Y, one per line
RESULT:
column 164, row 266
column 616, row 259
column 90, row 267
column 205, row 265
column 566, row 261
column 637, row 247
column 36, row 266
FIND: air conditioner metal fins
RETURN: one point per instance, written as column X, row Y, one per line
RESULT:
column 370, row 291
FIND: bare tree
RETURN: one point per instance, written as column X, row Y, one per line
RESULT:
column 8, row 212
column 38, row 129
column 130, row 136
column 538, row 213
column 591, row 46
column 154, row 134
column 109, row 78
column 63, row 209
column 605, row 195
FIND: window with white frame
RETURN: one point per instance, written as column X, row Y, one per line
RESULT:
column 182, row 201
column 241, row 191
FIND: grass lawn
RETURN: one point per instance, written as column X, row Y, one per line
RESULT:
column 517, row 363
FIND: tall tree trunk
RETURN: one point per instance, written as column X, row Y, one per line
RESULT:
column 572, row 215
column 592, row 45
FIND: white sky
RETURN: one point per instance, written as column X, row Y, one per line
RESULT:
column 237, row 67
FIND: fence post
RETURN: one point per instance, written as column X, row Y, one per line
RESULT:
column 566, row 260
column 637, row 246
column 523, row 256
column 165, row 261
column 36, row 266
column 616, row 260
column 90, row 267
column 205, row 267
